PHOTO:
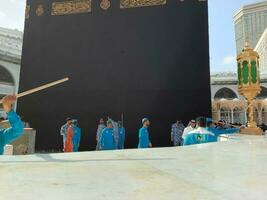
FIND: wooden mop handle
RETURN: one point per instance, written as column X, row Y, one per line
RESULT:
column 40, row 88
column 235, row 126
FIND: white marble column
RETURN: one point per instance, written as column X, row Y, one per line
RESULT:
column 246, row 118
column 219, row 115
column 260, row 117
column 232, row 116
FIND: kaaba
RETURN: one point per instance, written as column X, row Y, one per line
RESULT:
column 124, row 58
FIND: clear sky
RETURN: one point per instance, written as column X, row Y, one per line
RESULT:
column 12, row 14
column 222, row 41
column 222, row 36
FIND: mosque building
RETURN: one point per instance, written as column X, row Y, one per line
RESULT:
column 10, row 59
column 249, row 23
column 227, row 104
column 250, row 26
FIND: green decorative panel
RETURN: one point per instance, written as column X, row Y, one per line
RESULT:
column 253, row 71
column 245, row 72
column 239, row 72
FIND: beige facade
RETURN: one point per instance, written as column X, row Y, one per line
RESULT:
column 261, row 48
column 228, row 105
column 250, row 22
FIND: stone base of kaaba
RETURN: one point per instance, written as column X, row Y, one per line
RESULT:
column 8, row 150
column 26, row 143
column 234, row 169
column 23, row 145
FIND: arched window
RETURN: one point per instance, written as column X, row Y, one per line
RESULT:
column 239, row 116
column 225, row 93
column 6, row 77
column 225, row 115
column 256, row 115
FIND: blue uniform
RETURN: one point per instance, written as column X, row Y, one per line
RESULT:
column 10, row 134
column 76, row 138
column 107, row 141
column 220, row 131
column 199, row 136
column 121, row 140
column 144, row 140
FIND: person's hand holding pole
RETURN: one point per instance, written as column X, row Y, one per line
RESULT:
column 8, row 102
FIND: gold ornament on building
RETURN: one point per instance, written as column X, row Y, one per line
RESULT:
column 27, row 12
column 39, row 10
column 105, row 4
column 249, row 84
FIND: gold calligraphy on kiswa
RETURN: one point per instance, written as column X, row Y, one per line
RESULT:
column 39, row 10
column 140, row 3
column 71, row 7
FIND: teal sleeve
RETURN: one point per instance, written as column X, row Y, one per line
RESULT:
column 232, row 130
column 188, row 140
column 226, row 131
column 15, row 130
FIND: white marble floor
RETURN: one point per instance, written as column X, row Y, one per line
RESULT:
column 236, row 169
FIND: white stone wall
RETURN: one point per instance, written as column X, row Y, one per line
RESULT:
column 250, row 23
column 14, row 70
column 10, row 55
column 234, row 88
column 11, row 42
column 216, row 88
column 261, row 48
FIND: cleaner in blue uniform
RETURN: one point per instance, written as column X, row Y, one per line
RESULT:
column 121, row 133
column 219, row 130
column 200, row 134
column 76, row 136
column 144, row 141
column 16, row 126
column 107, row 140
